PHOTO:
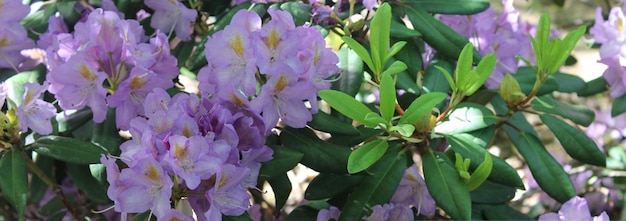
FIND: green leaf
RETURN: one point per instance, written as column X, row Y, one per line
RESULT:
column 319, row 187
column 399, row 30
column 526, row 79
column 379, row 37
column 283, row 160
column 37, row 187
column 501, row 171
column 394, row 68
column 568, row 83
column 619, row 106
column 351, row 67
column 328, row 123
column 576, row 143
column 502, row 212
column 347, row 105
column 466, row 117
column 106, row 134
column 482, row 72
column 421, row 106
column 242, row 217
column 300, row 12
column 405, row 130
column 448, row 77
column 456, row 7
column 387, row 97
column 281, row 186
column 492, row 193
column 68, row 149
column 377, row 188
column 68, row 121
column 14, row 180
column 569, row 42
column 579, row 114
column 81, row 177
column 319, row 155
column 593, row 87
column 352, row 140
column 435, row 80
column 548, row 173
column 446, row 187
column 366, row 155
column 308, row 211
column 463, row 68
column 410, row 55
column 359, row 50
column 395, row 48
column 481, row 173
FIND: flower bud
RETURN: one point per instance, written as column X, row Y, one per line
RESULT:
column 511, row 91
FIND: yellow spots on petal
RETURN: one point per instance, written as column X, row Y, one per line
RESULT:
column 137, row 82
column 619, row 24
column 223, row 181
column 180, row 151
column 273, row 39
column 173, row 2
column 281, row 83
column 237, row 45
column 86, row 72
column 4, row 41
column 236, row 100
column 28, row 96
column 175, row 219
column 187, row 131
column 316, row 57
column 153, row 173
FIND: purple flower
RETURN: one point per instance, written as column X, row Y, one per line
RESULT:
column 147, row 186
column 3, row 93
column 492, row 33
column 228, row 196
column 390, row 211
column 77, row 84
column 574, row 209
column 35, row 113
column 171, row 15
column 13, row 36
column 612, row 35
column 190, row 159
column 412, row 192
column 328, row 214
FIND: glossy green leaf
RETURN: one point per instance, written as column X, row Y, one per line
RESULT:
column 379, row 37
column 561, row 54
column 366, row 155
column 281, row 186
column 579, row 114
column 395, row 67
column 387, row 97
column 448, row 77
column 576, row 143
column 482, row 73
column 406, row 82
column 300, row 12
column 359, row 50
column 619, row 106
column 405, row 130
column 352, row 140
column 466, row 117
column 548, row 173
column 526, row 79
column 410, row 55
column 502, row 212
column 375, row 119
column 456, row 7
column 446, row 187
column 481, row 173
column 421, row 106
column 68, row 121
column 319, row 155
column 283, row 160
column 106, row 134
column 318, row 188
column 434, row 80
column 14, row 180
column 492, row 193
column 68, row 149
column 377, row 188
column 395, row 48
column 328, row 123
column 593, row 87
column 399, row 30
column 501, row 171
column 347, row 105
column 463, row 68
column 568, row 83
column 351, row 70
column 81, row 177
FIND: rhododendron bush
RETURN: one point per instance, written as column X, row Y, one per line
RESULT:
column 201, row 110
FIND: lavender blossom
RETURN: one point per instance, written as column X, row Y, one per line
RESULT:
column 574, row 209
column 412, row 192
column 612, row 35
column 35, row 113
column 13, row 36
column 172, row 15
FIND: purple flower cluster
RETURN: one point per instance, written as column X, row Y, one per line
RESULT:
column 13, row 36
column 192, row 149
column 411, row 192
column 612, row 35
column 290, row 63
column 106, row 62
column 501, row 34
column 607, row 131
column 172, row 15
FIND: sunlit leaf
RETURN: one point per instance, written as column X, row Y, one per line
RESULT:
column 446, row 187
column 366, row 155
